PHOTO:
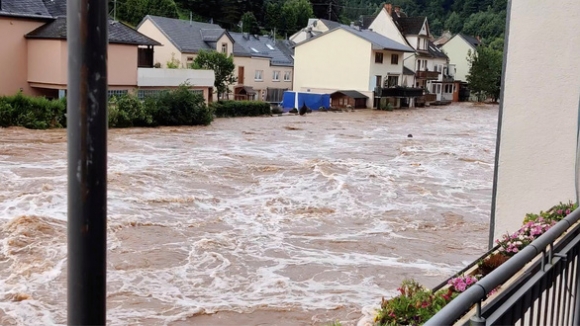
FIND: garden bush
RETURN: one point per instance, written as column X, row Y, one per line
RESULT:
column 32, row 112
column 241, row 108
column 178, row 107
column 128, row 111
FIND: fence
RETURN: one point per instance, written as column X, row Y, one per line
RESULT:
column 543, row 285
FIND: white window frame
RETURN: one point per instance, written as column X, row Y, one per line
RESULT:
column 287, row 76
column 225, row 48
column 259, row 75
column 276, row 75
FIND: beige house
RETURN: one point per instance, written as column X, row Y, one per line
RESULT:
column 537, row 152
column 314, row 28
column 35, row 54
column 458, row 49
column 264, row 66
column 349, row 59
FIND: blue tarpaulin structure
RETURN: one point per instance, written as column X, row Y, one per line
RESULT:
column 312, row 100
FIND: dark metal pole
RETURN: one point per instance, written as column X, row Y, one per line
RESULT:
column 87, row 35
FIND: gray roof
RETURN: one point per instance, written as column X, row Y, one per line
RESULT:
column 330, row 24
column 436, row 52
column 471, row 40
column 407, row 71
column 377, row 40
column 56, row 8
column 118, row 33
column 24, row 8
column 189, row 37
column 265, row 46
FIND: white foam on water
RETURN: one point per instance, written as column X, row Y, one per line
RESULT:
column 304, row 219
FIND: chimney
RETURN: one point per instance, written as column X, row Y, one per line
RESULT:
column 389, row 8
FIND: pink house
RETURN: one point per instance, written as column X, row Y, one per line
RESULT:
column 34, row 55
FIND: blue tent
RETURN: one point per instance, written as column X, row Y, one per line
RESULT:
column 312, row 100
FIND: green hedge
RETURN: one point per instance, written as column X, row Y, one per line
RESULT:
column 241, row 108
column 32, row 112
column 170, row 108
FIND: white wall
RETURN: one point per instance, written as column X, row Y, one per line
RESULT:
column 457, row 50
column 539, row 118
column 162, row 53
column 384, row 25
column 386, row 68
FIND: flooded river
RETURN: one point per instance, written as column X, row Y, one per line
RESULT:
column 254, row 221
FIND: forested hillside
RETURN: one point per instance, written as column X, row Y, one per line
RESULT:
column 485, row 18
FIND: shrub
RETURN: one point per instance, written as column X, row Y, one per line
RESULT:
column 179, row 107
column 128, row 111
column 555, row 213
column 241, row 108
column 32, row 112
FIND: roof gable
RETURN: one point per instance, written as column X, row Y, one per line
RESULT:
column 188, row 36
column 472, row 41
column 277, row 51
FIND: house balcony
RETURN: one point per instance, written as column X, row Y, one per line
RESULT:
column 428, row 75
column 159, row 77
column 398, row 91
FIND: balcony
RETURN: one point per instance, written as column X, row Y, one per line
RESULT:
column 429, row 75
column 158, row 77
column 399, row 91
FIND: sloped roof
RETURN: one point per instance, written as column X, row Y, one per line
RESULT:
column 24, row 8
column 407, row 71
column 436, row 52
column 365, row 21
column 56, row 8
column 330, row 24
column 352, row 94
column 188, row 36
column 410, row 25
column 471, row 40
column 377, row 40
column 118, row 33
column 265, row 46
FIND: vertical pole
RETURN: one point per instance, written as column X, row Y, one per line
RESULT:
column 330, row 11
column 87, row 35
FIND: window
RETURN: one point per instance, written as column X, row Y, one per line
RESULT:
column 276, row 75
column 287, row 76
column 392, row 81
column 224, row 48
column 258, row 75
column 378, row 80
column 189, row 59
column 117, row 93
column 394, row 59
column 379, row 57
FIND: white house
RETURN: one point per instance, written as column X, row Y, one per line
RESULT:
column 458, row 49
column 314, row 28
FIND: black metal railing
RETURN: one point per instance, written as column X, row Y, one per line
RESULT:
column 541, row 293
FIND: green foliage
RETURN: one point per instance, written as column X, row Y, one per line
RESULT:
column 485, row 73
column 128, row 111
column 414, row 306
column 250, row 23
column 555, row 213
column 240, row 108
column 454, row 23
column 222, row 65
column 173, row 63
column 486, row 24
column 178, row 107
column 133, row 11
column 32, row 112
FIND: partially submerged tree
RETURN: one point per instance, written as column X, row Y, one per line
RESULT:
column 485, row 73
column 222, row 65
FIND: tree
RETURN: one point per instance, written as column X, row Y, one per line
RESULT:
column 272, row 15
column 250, row 23
column 163, row 8
column 222, row 65
column 321, row 9
column 485, row 73
column 454, row 23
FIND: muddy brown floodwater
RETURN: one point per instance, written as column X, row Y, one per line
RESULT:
column 254, row 221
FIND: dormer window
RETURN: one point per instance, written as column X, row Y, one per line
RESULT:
column 225, row 48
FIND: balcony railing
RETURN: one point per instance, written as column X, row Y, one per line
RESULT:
column 399, row 91
column 430, row 75
column 539, row 285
